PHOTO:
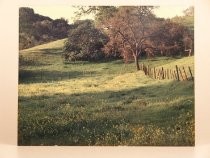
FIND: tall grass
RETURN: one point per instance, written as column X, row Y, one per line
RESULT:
column 106, row 103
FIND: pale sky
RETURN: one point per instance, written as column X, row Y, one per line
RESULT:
column 67, row 12
column 56, row 12
column 170, row 11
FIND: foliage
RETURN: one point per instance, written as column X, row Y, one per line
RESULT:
column 101, row 13
column 130, row 30
column 84, row 42
column 161, row 37
column 171, row 38
column 35, row 29
column 188, row 21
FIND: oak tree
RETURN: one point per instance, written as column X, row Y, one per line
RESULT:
column 130, row 31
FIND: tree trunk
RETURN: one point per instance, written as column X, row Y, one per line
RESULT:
column 136, row 62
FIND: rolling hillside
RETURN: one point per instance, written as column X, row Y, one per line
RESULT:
column 107, row 103
column 35, row 29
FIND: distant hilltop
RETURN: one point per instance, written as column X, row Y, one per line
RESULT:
column 35, row 29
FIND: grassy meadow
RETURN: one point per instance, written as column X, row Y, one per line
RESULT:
column 102, row 103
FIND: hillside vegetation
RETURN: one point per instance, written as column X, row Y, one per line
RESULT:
column 35, row 29
column 106, row 103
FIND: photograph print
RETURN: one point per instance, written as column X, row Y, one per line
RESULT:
column 106, row 76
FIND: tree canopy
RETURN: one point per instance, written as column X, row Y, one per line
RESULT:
column 84, row 42
column 134, row 31
column 128, row 32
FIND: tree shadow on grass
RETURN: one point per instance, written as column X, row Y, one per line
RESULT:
column 103, row 117
column 49, row 51
column 54, row 51
column 44, row 76
column 34, row 60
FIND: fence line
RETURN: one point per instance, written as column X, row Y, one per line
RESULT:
column 178, row 73
column 161, row 73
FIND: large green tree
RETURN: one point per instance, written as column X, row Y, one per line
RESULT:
column 84, row 42
column 169, row 38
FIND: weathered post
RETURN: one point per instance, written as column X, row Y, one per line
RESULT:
column 148, row 70
column 159, row 74
column 172, row 74
column 167, row 73
column 175, row 75
column 185, row 73
column 162, row 73
column 181, row 73
column 154, row 73
column 191, row 73
column 177, row 72
column 165, row 76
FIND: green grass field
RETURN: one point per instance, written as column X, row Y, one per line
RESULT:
column 103, row 103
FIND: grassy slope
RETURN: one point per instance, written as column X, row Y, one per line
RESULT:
column 105, row 103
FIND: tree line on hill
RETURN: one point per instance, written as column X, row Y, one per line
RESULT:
column 127, row 32
column 130, row 33
column 35, row 29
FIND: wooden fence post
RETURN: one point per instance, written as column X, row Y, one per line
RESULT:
column 143, row 67
column 172, row 75
column 165, row 76
column 159, row 72
column 150, row 73
column 191, row 73
column 154, row 73
column 168, row 74
column 181, row 73
column 185, row 73
column 177, row 73
column 162, row 73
